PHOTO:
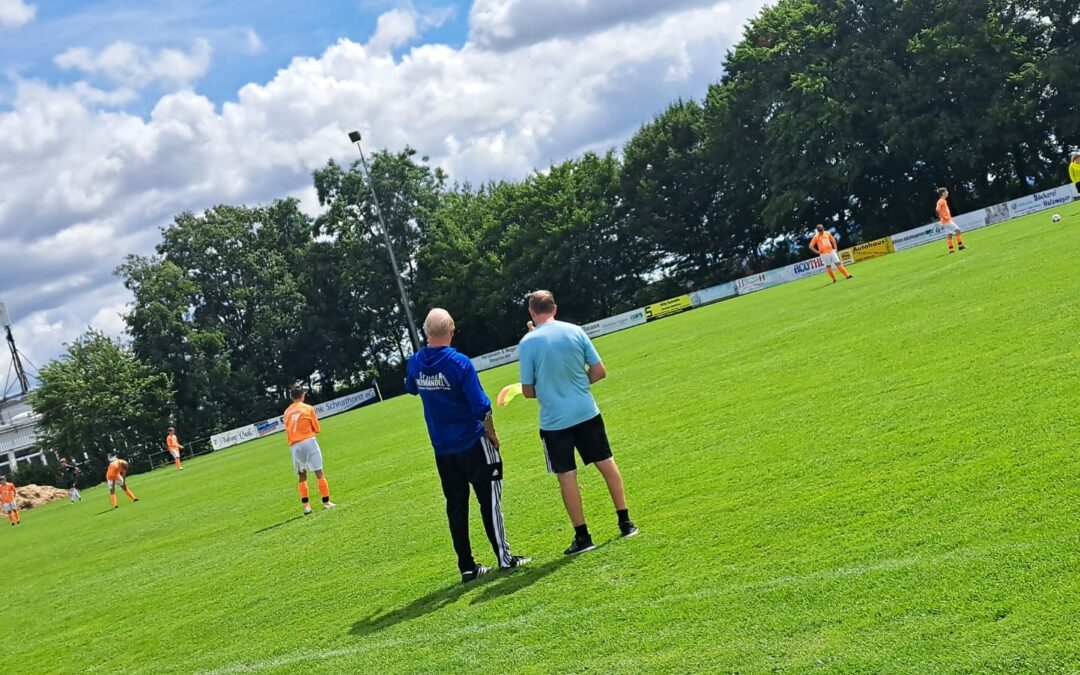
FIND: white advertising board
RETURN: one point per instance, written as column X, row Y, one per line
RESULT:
column 496, row 359
column 714, row 293
column 634, row 317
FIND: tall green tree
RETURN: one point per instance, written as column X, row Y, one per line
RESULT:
column 221, row 310
column 99, row 399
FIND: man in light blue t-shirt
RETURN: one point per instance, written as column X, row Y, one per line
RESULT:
column 558, row 363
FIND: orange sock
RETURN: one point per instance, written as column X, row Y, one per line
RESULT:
column 843, row 270
column 959, row 240
column 112, row 498
column 177, row 461
column 129, row 494
column 950, row 243
column 18, row 517
column 302, row 486
column 324, row 490
column 11, row 517
column 831, row 275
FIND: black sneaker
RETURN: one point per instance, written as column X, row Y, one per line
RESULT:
column 580, row 545
column 516, row 561
column 474, row 574
column 628, row 528
column 963, row 248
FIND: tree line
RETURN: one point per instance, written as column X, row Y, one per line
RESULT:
column 829, row 111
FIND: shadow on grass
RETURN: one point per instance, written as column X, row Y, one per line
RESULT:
column 277, row 525
column 498, row 583
column 101, row 513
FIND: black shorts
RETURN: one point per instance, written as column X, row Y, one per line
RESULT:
column 589, row 437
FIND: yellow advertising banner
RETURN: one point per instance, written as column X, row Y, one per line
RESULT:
column 847, row 256
column 873, row 249
column 667, row 307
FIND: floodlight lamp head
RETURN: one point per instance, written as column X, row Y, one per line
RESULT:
column 354, row 137
column 5, row 318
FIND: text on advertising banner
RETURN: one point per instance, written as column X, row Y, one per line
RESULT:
column 667, row 307
column 872, row 249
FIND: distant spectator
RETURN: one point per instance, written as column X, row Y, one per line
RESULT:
column 71, row 473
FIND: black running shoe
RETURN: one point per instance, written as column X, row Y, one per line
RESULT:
column 580, row 545
column 628, row 528
column 474, row 574
column 962, row 248
column 516, row 561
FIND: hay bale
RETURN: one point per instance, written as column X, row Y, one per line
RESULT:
column 29, row 496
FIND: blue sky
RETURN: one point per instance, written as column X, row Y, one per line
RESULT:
column 285, row 29
column 116, row 115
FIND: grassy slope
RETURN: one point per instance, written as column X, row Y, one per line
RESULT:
column 876, row 476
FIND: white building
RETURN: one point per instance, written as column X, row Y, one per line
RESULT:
column 18, row 434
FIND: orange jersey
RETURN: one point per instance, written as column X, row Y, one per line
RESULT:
column 171, row 443
column 943, row 211
column 301, row 422
column 113, row 472
column 7, row 493
column 824, row 242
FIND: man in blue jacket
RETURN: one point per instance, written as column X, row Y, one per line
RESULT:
column 458, row 416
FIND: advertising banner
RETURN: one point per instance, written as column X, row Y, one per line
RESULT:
column 847, row 256
column 495, row 359
column 233, row 436
column 872, row 249
column 917, row 236
column 618, row 322
column 1042, row 201
column 713, row 294
column 998, row 213
column 668, row 307
column 757, row 282
column 806, row 268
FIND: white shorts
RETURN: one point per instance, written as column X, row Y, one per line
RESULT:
column 114, row 483
column 306, row 455
column 11, row 506
column 830, row 258
column 949, row 228
column 175, row 454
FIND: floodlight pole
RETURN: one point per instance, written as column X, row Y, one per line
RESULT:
column 20, row 372
column 414, row 335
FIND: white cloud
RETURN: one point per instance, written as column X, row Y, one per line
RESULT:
column 506, row 24
column 85, row 184
column 253, row 41
column 395, row 28
column 16, row 13
column 130, row 65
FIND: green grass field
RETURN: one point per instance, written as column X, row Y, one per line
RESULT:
column 877, row 476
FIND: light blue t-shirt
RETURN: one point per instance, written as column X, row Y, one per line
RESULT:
column 554, row 358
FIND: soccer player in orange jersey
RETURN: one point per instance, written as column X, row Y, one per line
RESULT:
column 115, row 475
column 824, row 244
column 301, row 427
column 174, row 447
column 946, row 220
column 9, row 501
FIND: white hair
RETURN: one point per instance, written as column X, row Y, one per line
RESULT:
column 439, row 323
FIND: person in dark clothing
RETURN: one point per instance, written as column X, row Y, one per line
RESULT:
column 71, row 471
column 458, row 416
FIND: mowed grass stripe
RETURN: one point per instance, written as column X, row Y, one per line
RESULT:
column 873, row 476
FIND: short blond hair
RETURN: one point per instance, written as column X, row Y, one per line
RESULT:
column 1075, row 156
column 542, row 302
column 439, row 323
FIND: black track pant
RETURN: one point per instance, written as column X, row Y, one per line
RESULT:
column 481, row 468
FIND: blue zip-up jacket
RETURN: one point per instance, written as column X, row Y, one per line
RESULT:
column 455, row 404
